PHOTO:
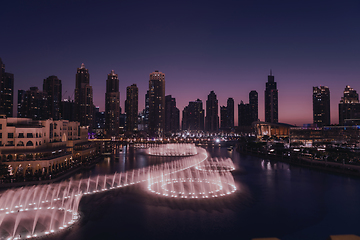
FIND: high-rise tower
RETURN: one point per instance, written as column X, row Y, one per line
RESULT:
column 52, row 86
column 156, row 103
column 227, row 115
column 253, row 101
column 349, row 106
column 112, row 105
column 83, row 97
column 212, row 113
column 6, row 91
column 33, row 104
column 131, row 108
column 172, row 115
column 193, row 116
column 271, row 100
column 321, row 106
column 230, row 112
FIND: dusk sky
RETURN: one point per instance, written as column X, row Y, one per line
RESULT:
column 225, row 46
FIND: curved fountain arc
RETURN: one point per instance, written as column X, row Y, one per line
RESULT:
column 66, row 196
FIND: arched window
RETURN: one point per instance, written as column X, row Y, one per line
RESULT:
column 29, row 143
column 21, row 143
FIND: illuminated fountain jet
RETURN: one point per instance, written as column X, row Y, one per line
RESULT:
column 36, row 211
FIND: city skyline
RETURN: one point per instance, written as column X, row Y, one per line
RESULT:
column 228, row 48
column 333, row 119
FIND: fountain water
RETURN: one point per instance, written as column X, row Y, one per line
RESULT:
column 45, row 209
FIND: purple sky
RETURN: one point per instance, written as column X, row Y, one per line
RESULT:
column 228, row 47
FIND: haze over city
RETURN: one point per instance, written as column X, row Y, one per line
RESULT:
column 228, row 47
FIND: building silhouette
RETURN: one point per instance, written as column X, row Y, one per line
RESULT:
column 21, row 104
column 145, row 120
column 131, row 108
column 156, row 103
column 321, row 106
column 227, row 115
column 212, row 115
column 244, row 114
column 230, row 111
column 52, row 86
column 83, row 98
column 349, row 106
column 193, row 116
column 33, row 103
column 271, row 100
column 112, row 105
column 172, row 115
column 248, row 112
column 67, row 109
column 253, row 101
column 223, row 118
column 6, row 91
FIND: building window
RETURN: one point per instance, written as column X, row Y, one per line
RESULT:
column 0, row 126
column 0, row 135
column 10, row 135
column 21, row 135
column 29, row 135
column 29, row 143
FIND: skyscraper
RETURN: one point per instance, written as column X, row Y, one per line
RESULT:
column 112, row 105
column 193, row 116
column 172, row 115
column 230, row 112
column 52, row 86
column 349, row 106
column 83, row 97
column 248, row 112
column 271, row 100
column 227, row 115
column 33, row 104
column 223, row 118
column 21, row 104
column 212, row 113
column 156, row 103
column 253, row 101
column 321, row 106
column 68, row 109
column 6, row 91
column 244, row 114
column 131, row 108
column 146, row 111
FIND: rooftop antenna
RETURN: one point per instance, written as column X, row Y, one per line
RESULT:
column 270, row 72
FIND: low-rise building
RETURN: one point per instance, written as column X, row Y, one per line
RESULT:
column 41, row 148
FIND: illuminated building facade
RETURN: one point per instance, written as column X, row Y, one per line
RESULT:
column 321, row 106
column 271, row 100
column 52, row 86
column 83, row 98
column 156, row 103
column 131, row 108
column 349, row 106
column 33, row 104
column 212, row 113
column 6, row 91
column 193, row 116
column 112, row 105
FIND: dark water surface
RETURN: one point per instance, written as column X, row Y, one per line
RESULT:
column 273, row 200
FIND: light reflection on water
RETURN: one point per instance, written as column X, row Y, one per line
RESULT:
column 284, row 201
